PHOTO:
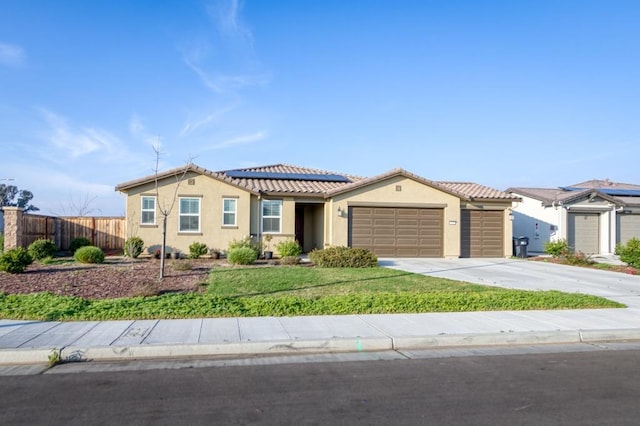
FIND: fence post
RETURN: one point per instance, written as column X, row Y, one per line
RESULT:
column 13, row 227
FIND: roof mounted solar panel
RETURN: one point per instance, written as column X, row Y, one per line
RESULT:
column 318, row 177
column 621, row 192
column 609, row 191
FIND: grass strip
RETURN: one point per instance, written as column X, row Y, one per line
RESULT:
column 49, row 307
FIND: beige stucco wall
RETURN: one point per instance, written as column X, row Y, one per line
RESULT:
column 212, row 232
column 385, row 193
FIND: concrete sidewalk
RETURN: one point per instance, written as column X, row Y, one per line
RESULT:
column 32, row 342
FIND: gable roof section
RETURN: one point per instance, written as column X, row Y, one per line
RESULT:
column 570, row 194
column 464, row 190
column 176, row 172
column 285, row 179
column 278, row 179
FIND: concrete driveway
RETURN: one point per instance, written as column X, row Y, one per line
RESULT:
column 528, row 275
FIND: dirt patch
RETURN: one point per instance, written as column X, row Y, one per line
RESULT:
column 116, row 277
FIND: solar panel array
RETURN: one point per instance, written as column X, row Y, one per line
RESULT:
column 318, row 177
column 609, row 191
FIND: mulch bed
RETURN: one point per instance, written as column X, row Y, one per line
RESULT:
column 562, row 261
column 116, row 277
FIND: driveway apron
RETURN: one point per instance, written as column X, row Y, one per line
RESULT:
column 527, row 275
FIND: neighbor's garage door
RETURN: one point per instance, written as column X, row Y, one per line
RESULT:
column 628, row 227
column 397, row 232
column 482, row 233
column 584, row 232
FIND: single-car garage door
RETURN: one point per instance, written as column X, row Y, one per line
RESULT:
column 482, row 233
column 397, row 232
column 584, row 232
column 628, row 227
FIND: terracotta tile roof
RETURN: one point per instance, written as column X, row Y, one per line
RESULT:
column 605, row 184
column 475, row 191
column 310, row 186
column 322, row 186
column 549, row 196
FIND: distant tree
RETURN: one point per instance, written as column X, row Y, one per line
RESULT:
column 79, row 207
column 11, row 196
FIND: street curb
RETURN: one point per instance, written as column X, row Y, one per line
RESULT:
column 25, row 356
column 354, row 344
column 110, row 353
column 610, row 335
column 486, row 339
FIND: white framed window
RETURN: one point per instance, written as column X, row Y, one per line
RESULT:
column 189, row 214
column 229, row 211
column 148, row 210
column 271, row 216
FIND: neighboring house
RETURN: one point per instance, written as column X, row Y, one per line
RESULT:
column 592, row 216
column 396, row 214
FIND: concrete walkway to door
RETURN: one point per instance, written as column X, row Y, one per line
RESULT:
column 528, row 275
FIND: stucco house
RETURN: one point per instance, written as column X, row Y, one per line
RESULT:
column 592, row 216
column 395, row 214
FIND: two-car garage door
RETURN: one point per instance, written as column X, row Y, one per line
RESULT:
column 397, row 231
column 419, row 232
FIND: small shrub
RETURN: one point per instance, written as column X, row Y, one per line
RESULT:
column 1, row 242
column 343, row 257
column 288, row 248
column 78, row 242
column 133, row 247
column 578, row 258
column 290, row 260
column 197, row 249
column 15, row 260
column 242, row 256
column 630, row 252
column 42, row 248
column 558, row 248
column 246, row 242
column 89, row 254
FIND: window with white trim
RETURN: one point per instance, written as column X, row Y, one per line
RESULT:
column 148, row 210
column 271, row 216
column 189, row 215
column 229, row 211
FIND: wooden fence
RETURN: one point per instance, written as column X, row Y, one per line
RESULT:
column 108, row 233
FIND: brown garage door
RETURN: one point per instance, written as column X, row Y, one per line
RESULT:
column 482, row 233
column 397, row 232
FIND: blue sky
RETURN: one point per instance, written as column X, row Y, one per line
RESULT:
column 502, row 93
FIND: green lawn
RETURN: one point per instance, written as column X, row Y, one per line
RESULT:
column 289, row 291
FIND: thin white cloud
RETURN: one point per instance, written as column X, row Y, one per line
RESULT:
column 226, row 17
column 11, row 54
column 139, row 131
column 212, row 117
column 77, row 142
column 239, row 140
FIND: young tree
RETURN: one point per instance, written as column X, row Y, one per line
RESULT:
column 166, row 206
column 8, row 194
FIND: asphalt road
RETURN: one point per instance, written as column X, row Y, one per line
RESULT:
column 600, row 387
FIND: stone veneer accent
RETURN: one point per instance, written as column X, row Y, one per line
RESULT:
column 12, row 227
